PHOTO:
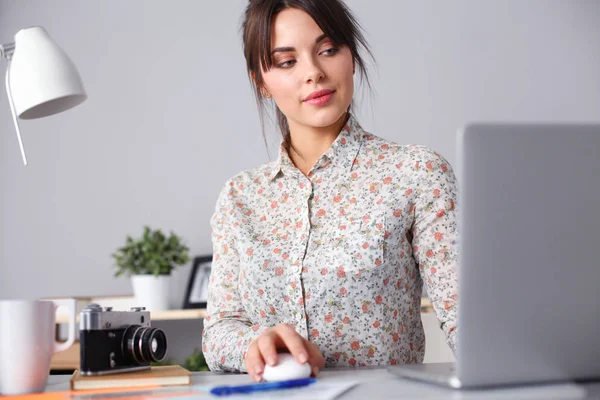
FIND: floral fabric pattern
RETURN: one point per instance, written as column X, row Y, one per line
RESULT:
column 341, row 254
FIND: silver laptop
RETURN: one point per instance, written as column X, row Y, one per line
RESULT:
column 529, row 257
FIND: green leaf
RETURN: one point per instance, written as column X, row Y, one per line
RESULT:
column 196, row 362
column 151, row 253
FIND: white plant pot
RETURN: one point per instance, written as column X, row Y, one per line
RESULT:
column 151, row 291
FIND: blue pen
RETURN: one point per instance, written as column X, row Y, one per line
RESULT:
column 259, row 387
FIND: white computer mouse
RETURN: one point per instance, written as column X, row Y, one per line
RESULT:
column 286, row 368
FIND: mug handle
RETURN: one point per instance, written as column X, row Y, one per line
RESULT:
column 71, row 304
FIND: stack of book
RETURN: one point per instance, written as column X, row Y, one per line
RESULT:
column 169, row 375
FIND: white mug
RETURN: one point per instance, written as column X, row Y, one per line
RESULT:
column 27, row 343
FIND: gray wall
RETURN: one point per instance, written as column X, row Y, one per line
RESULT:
column 170, row 114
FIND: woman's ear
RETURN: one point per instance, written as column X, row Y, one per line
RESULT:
column 263, row 90
column 265, row 94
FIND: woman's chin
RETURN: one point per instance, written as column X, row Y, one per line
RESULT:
column 324, row 117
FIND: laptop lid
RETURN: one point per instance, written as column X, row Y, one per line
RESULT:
column 529, row 259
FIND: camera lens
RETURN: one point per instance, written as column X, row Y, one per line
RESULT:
column 144, row 345
column 154, row 344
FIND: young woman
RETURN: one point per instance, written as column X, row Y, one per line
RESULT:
column 323, row 252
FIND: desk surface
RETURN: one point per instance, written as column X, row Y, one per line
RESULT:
column 377, row 383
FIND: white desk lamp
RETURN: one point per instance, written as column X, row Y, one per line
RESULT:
column 41, row 80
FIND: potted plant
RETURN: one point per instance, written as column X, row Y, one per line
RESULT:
column 149, row 260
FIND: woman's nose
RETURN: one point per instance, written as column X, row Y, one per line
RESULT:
column 313, row 72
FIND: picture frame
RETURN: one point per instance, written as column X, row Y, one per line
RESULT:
column 196, row 294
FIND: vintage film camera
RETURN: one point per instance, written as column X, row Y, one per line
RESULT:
column 118, row 341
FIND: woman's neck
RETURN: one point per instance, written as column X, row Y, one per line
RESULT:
column 308, row 143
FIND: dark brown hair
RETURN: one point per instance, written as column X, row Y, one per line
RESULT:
column 332, row 16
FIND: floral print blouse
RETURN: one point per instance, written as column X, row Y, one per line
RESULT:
column 341, row 254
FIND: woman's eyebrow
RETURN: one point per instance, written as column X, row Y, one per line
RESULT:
column 320, row 38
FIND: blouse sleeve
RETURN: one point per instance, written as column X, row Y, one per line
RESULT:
column 435, row 238
column 228, row 330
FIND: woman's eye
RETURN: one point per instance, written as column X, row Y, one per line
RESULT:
column 286, row 64
column 290, row 63
column 330, row 51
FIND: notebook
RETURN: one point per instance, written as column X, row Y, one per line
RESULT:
column 156, row 376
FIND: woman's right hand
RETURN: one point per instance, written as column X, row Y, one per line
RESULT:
column 281, row 337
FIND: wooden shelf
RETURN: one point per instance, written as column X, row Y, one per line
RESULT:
column 168, row 315
column 66, row 360
column 195, row 313
column 426, row 306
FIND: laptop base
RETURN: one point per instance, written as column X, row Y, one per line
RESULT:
column 438, row 373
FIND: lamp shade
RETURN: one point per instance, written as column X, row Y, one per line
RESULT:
column 43, row 79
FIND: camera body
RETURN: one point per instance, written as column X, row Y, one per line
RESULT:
column 118, row 341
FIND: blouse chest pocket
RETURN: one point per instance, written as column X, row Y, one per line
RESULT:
column 360, row 243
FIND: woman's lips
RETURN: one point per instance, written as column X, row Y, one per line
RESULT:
column 320, row 98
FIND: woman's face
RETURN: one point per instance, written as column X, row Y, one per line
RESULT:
column 305, row 64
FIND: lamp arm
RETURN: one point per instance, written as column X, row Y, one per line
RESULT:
column 7, row 51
